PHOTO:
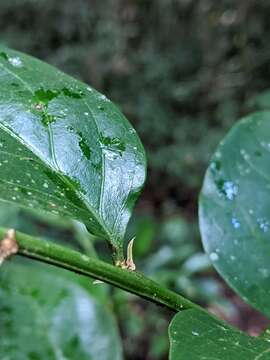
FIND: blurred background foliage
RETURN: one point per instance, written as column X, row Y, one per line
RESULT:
column 183, row 71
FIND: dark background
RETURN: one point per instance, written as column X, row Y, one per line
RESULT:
column 182, row 71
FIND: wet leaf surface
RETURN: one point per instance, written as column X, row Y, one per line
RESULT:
column 235, row 208
column 65, row 148
column 196, row 336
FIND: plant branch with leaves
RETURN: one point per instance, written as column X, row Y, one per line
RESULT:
column 66, row 149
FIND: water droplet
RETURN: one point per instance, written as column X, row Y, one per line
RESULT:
column 263, row 224
column 236, row 224
column 214, row 256
column 15, row 61
column 230, row 189
column 39, row 106
column 215, row 165
column 103, row 98
column 195, row 333
column 110, row 155
column 244, row 154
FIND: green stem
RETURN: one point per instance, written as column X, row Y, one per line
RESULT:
column 130, row 281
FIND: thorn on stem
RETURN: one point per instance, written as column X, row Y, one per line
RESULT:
column 130, row 263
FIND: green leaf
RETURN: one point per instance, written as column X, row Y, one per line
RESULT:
column 235, row 208
column 47, row 314
column 65, row 148
column 194, row 335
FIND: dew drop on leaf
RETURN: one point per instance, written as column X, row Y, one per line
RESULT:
column 15, row 61
column 230, row 189
column 214, row 256
column 235, row 223
column 263, row 224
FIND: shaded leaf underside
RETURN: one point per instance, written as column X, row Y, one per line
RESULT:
column 46, row 314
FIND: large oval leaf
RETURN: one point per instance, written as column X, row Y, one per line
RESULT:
column 46, row 314
column 196, row 336
column 65, row 148
column 235, row 209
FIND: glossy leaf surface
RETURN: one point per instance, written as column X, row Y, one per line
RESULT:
column 196, row 336
column 65, row 148
column 235, row 209
column 47, row 314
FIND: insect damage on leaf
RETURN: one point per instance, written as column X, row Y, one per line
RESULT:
column 8, row 245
